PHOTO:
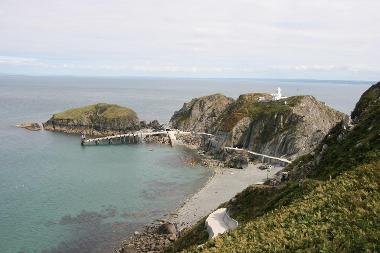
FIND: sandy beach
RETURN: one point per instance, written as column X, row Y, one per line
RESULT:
column 223, row 186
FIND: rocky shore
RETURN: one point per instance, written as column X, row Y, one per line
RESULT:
column 220, row 188
column 154, row 238
column 30, row 126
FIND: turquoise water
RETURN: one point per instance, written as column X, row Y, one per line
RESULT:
column 56, row 196
column 59, row 194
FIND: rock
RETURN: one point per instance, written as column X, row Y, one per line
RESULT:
column 201, row 113
column 172, row 237
column 151, row 239
column 155, row 125
column 30, row 126
column 238, row 161
column 167, row 228
column 157, row 139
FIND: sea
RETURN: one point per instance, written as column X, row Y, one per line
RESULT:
column 57, row 196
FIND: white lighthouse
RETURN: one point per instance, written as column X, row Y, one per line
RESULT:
column 278, row 95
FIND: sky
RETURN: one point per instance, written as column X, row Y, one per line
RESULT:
column 324, row 39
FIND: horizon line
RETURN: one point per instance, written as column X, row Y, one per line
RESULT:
column 184, row 77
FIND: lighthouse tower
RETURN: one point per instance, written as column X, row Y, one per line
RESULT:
column 278, row 95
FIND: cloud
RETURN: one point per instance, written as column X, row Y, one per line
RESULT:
column 17, row 60
column 191, row 37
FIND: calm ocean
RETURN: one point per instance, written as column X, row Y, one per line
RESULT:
column 56, row 196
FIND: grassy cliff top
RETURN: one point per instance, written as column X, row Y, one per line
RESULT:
column 249, row 105
column 109, row 111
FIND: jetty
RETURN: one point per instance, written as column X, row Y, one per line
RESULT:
column 135, row 137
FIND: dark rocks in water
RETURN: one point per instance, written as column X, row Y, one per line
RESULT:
column 30, row 126
column 155, row 238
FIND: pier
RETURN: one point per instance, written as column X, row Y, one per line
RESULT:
column 136, row 137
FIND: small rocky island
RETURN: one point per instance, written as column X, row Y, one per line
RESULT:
column 96, row 120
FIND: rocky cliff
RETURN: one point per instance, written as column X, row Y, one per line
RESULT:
column 348, row 144
column 201, row 113
column 329, row 203
column 287, row 127
column 97, row 119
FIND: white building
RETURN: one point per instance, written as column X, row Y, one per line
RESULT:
column 278, row 95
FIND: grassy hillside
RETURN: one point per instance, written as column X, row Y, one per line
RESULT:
column 342, row 215
column 109, row 111
column 316, row 214
column 248, row 105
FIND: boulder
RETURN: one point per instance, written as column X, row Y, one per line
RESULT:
column 167, row 228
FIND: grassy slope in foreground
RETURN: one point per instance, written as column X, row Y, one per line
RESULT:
column 341, row 215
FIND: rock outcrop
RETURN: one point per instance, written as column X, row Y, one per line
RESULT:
column 97, row 119
column 154, row 124
column 288, row 127
column 346, row 145
column 30, row 126
column 201, row 113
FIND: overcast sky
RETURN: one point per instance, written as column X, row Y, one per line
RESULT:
column 324, row 39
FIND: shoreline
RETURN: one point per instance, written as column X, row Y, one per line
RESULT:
column 222, row 186
column 196, row 206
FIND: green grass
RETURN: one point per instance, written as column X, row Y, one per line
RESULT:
column 342, row 215
column 108, row 111
column 248, row 106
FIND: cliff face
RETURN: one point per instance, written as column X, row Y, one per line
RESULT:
column 201, row 113
column 94, row 119
column 346, row 146
column 288, row 127
column 337, row 183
